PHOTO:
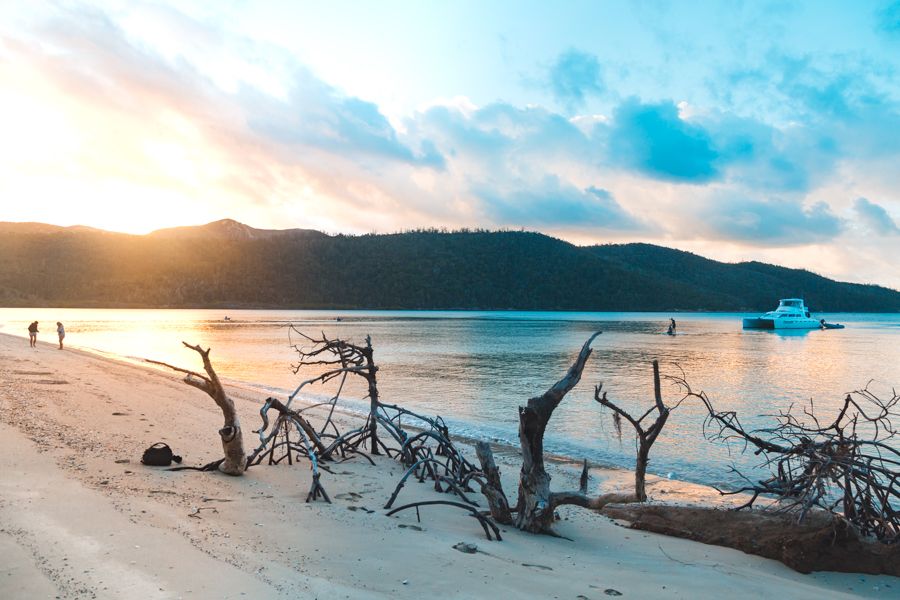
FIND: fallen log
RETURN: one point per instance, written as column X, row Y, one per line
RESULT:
column 822, row 542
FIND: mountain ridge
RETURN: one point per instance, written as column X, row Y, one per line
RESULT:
column 229, row 264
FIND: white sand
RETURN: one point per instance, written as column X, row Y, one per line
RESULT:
column 75, row 523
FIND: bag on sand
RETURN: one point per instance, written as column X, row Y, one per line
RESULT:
column 159, row 455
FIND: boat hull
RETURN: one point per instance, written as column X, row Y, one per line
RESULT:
column 757, row 323
column 788, row 323
column 781, row 323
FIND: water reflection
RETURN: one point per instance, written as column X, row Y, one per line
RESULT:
column 476, row 368
column 788, row 333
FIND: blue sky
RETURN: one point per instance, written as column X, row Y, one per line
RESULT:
column 738, row 130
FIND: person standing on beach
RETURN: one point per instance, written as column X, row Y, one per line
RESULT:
column 32, row 334
column 61, row 331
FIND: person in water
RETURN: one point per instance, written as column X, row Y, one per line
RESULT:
column 61, row 331
column 672, row 326
column 32, row 334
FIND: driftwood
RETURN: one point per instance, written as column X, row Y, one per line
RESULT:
column 232, row 437
column 645, row 436
column 849, row 467
column 340, row 358
column 492, row 488
column 421, row 437
column 536, row 504
column 422, row 444
column 823, row 542
column 486, row 523
column 290, row 435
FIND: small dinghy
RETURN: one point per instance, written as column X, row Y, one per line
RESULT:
column 832, row 325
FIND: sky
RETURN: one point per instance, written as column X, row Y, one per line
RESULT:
column 737, row 130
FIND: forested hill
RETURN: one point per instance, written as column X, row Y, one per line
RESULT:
column 227, row 264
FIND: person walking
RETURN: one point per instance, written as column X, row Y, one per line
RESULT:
column 32, row 334
column 61, row 331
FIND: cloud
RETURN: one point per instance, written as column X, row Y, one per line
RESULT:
column 875, row 217
column 574, row 76
column 762, row 157
column 119, row 71
column 556, row 203
column 499, row 135
column 888, row 18
column 654, row 140
column 847, row 102
column 763, row 222
column 315, row 114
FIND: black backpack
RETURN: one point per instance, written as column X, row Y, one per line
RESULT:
column 159, row 455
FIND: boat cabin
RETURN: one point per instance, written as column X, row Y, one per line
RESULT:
column 792, row 307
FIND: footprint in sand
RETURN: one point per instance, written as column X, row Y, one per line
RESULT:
column 351, row 496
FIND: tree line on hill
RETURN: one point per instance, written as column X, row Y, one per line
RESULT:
column 227, row 264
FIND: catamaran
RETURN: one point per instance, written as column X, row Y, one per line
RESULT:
column 791, row 313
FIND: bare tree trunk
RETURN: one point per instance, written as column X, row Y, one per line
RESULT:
column 640, row 470
column 646, row 437
column 536, row 503
column 235, row 461
column 493, row 487
column 534, row 509
column 368, row 353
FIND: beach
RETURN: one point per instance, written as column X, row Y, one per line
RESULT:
column 81, row 517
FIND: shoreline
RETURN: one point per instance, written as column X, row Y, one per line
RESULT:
column 77, row 519
column 506, row 451
column 225, row 306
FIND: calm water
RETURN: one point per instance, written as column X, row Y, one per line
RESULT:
column 475, row 368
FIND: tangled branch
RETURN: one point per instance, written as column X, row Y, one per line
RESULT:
column 421, row 443
column 849, row 466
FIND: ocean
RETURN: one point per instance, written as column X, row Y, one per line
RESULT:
column 475, row 368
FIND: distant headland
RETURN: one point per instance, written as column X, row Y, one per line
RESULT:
column 228, row 264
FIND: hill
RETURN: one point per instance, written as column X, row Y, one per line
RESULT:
column 228, row 264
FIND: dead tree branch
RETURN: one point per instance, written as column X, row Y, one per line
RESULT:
column 536, row 503
column 230, row 434
column 291, row 434
column 423, row 444
column 849, row 467
column 646, row 436
column 492, row 487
